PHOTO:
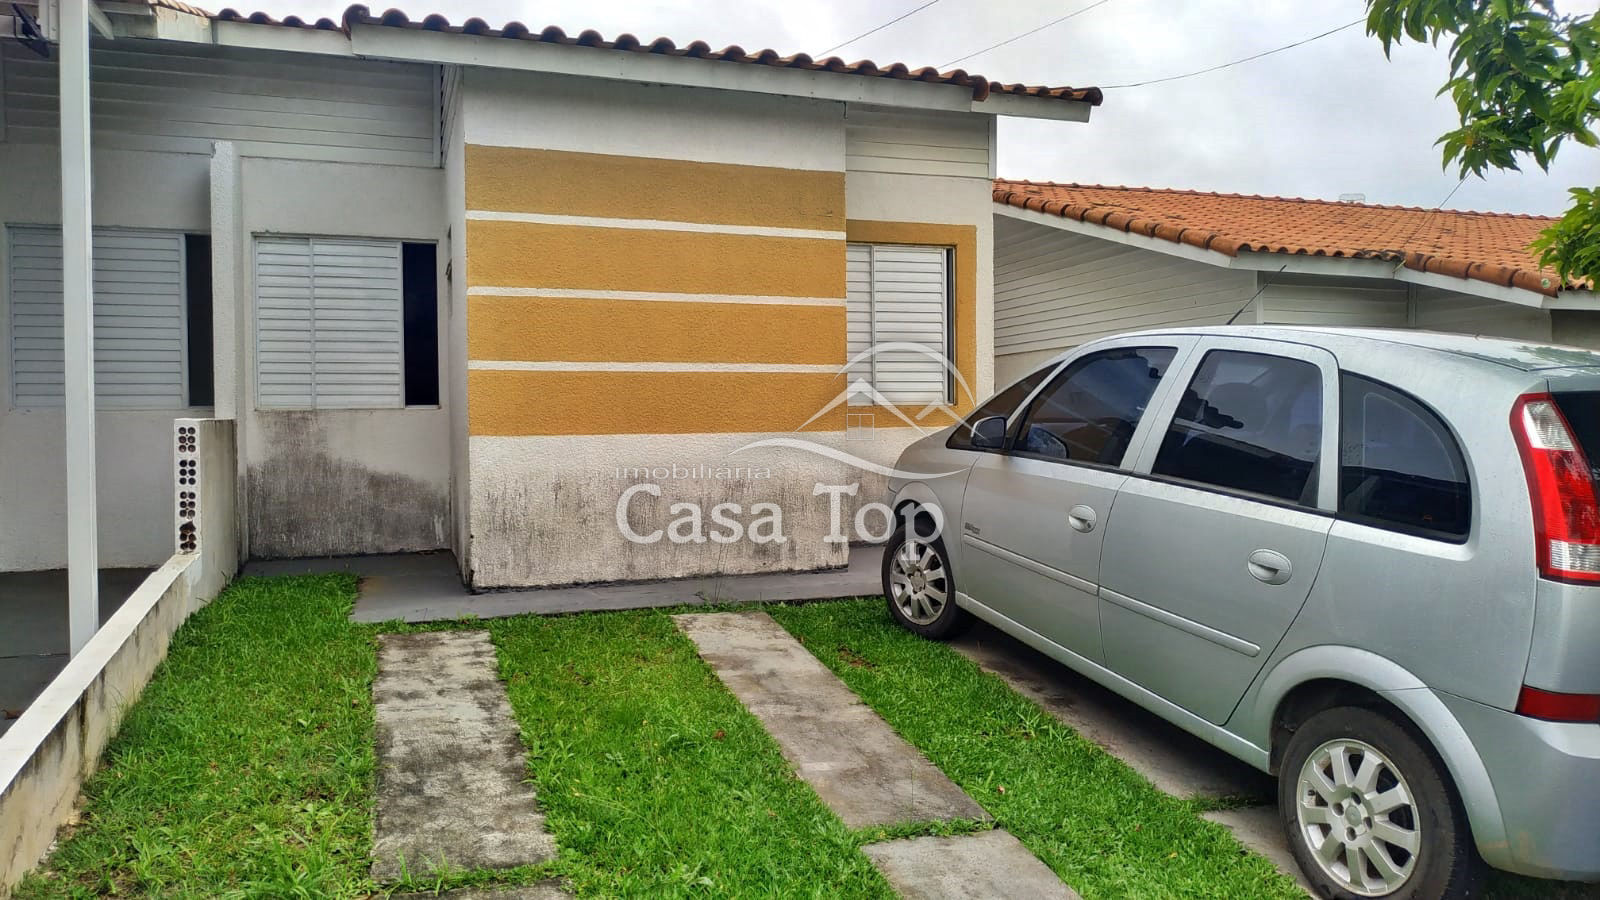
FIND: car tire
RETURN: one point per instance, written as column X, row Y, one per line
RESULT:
column 916, row 574
column 1329, row 798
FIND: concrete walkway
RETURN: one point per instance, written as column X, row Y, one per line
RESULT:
column 452, row 785
column 426, row 587
column 865, row 772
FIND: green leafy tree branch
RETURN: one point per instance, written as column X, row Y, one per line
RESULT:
column 1525, row 80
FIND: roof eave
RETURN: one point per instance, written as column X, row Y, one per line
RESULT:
column 374, row 40
column 1225, row 254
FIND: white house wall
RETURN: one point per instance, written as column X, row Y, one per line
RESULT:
column 328, row 482
column 1440, row 310
column 134, row 446
column 174, row 97
column 1288, row 300
column 333, row 482
column 1054, row 290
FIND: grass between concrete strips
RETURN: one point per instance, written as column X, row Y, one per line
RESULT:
column 246, row 769
column 1104, row 829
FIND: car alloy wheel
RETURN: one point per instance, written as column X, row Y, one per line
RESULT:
column 919, row 581
column 1357, row 815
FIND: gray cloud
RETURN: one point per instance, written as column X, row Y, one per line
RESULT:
column 1328, row 118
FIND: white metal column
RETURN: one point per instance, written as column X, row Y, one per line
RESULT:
column 77, row 294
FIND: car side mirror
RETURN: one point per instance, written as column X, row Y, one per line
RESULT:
column 989, row 433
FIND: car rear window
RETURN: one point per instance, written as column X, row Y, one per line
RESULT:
column 1400, row 468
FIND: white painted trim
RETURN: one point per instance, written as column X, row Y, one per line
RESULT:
column 1023, row 106
column 271, row 37
column 485, row 215
column 490, row 365
column 1257, row 261
column 102, row 24
column 576, row 294
column 416, row 45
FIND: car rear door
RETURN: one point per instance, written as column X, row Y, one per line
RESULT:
column 1033, row 515
column 1214, row 541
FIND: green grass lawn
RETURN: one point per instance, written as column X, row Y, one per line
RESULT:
column 246, row 769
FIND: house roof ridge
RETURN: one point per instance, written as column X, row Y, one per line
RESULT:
column 1194, row 192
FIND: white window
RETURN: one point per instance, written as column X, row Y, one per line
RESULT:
column 139, row 318
column 898, row 312
column 329, row 326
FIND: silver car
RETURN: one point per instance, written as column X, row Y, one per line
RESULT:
column 1365, row 561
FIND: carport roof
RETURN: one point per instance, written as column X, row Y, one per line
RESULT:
column 1482, row 246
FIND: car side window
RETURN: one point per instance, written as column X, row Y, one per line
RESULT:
column 1400, row 468
column 1090, row 411
column 1002, row 404
column 1248, row 422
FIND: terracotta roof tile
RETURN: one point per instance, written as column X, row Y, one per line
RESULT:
column 981, row 87
column 1482, row 246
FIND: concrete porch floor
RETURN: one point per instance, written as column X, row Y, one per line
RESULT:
column 33, row 629
column 425, row 587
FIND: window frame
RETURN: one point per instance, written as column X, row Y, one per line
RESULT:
column 947, row 313
column 185, row 349
column 255, row 317
column 1443, row 425
column 1178, row 380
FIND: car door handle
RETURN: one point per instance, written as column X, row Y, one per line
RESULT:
column 1269, row 566
column 1081, row 518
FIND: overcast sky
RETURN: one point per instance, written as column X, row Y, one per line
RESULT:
column 1321, row 120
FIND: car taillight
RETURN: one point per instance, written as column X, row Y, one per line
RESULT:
column 1558, row 707
column 1566, row 516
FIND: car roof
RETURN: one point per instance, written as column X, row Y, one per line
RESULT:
column 1525, row 356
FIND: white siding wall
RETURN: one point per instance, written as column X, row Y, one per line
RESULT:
column 1440, row 310
column 1302, row 302
column 1054, row 290
column 919, row 143
column 166, row 96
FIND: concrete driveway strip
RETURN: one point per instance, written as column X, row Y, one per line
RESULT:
column 857, row 764
column 986, row 864
column 452, row 791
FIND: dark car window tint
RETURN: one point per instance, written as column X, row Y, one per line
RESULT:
column 1002, row 404
column 1400, row 467
column 1089, row 412
column 1248, row 422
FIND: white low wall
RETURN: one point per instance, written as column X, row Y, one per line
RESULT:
column 56, row 744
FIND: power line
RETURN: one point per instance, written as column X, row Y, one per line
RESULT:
column 1019, row 37
column 1302, row 41
column 878, row 29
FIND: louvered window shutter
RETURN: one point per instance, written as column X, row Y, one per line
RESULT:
column 899, row 295
column 329, row 316
column 138, row 318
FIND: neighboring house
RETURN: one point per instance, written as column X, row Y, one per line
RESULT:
column 1076, row 262
column 461, row 286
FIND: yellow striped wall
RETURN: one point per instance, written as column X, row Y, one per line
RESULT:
column 629, row 295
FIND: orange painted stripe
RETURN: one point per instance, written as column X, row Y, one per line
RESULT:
column 573, row 257
column 557, row 182
column 594, row 330
column 502, row 403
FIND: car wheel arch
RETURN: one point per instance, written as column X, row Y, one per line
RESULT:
column 1349, row 672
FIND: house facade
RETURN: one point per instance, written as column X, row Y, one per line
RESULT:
column 514, row 294
column 1077, row 262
